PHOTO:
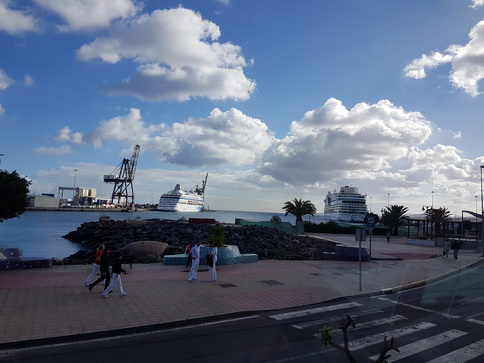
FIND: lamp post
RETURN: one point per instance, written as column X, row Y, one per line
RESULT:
column 74, row 194
column 482, row 215
column 476, row 208
column 388, row 199
column 432, row 199
column 1, row 156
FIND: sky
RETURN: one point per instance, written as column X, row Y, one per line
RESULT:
column 274, row 99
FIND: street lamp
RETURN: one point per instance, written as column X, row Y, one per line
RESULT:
column 1, row 156
column 432, row 199
column 476, row 208
column 388, row 199
column 482, row 215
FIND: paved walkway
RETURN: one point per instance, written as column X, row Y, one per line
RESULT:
column 48, row 305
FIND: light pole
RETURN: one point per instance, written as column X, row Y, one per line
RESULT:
column 432, row 205
column 1, row 156
column 74, row 195
column 482, row 215
column 476, row 208
column 388, row 199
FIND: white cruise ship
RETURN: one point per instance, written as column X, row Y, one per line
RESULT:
column 179, row 200
column 348, row 205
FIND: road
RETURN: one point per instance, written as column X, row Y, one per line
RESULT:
column 441, row 322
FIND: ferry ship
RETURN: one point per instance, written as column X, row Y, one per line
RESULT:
column 179, row 200
column 348, row 205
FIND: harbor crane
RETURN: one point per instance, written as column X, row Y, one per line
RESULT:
column 123, row 177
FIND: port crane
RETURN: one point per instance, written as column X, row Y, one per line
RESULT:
column 123, row 177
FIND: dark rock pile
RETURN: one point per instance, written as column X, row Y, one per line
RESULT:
column 267, row 243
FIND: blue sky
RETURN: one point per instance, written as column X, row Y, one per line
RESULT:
column 275, row 99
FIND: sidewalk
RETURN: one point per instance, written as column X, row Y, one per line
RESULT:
column 48, row 305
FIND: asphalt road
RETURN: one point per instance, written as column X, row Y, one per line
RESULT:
column 441, row 322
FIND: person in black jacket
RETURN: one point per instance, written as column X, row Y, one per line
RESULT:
column 116, row 278
column 104, row 270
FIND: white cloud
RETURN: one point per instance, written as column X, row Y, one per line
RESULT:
column 333, row 142
column 2, row 110
column 87, row 15
column 5, row 81
column 179, row 56
column 66, row 135
column 416, row 69
column 223, row 138
column 467, row 62
column 62, row 150
column 28, row 81
column 15, row 21
column 477, row 3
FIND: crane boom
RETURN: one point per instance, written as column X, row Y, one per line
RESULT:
column 123, row 177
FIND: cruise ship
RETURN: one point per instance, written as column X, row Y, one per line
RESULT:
column 348, row 205
column 179, row 200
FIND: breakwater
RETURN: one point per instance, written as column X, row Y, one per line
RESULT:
column 267, row 243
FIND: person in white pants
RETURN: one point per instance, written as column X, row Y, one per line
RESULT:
column 212, row 269
column 116, row 277
column 96, row 265
column 195, row 256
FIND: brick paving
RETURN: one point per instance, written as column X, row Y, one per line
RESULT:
column 41, row 305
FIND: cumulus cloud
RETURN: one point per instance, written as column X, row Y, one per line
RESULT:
column 15, row 21
column 62, row 150
column 467, row 62
column 333, row 142
column 477, row 3
column 87, row 15
column 222, row 138
column 66, row 135
column 179, row 58
column 5, row 81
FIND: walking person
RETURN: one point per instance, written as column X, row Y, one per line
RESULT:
column 96, row 265
column 213, row 260
column 187, row 251
column 116, row 278
column 195, row 256
column 447, row 248
column 104, row 268
column 388, row 235
column 455, row 247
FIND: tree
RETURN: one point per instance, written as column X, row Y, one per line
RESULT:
column 394, row 216
column 437, row 216
column 13, row 194
column 299, row 208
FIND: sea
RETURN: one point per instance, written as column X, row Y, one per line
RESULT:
column 40, row 233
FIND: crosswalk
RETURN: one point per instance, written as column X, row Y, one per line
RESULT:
column 429, row 338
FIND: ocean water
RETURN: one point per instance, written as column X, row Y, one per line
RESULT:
column 39, row 234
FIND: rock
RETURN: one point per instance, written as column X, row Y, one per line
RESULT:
column 266, row 242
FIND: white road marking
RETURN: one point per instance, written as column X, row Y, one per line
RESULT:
column 370, row 324
column 475, row 321
column 419, row 308
column 324, row 322
column 463, row 354
column 298, row 314
column 378, row 338
column 421, row 345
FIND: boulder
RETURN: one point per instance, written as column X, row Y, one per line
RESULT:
column 141, row 249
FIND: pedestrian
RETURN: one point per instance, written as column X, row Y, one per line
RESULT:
column 96, row 265
column 455, row 247
column 104, row 268
column 195, row 257
column 116, row 278
column 446, row 248
column 213, row 260
column 187, row 251
column 388, row 235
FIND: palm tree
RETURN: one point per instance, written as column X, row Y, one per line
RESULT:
column 437, row 216
column 394, row 216
column 299, row 208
